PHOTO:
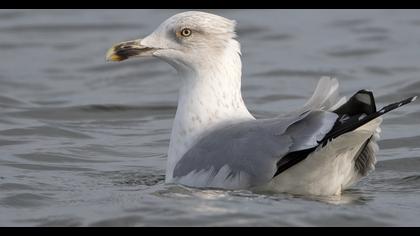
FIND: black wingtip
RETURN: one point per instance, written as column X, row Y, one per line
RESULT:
column 361, row 102
column 295, row 157
column 354, row 124
column 395, row 105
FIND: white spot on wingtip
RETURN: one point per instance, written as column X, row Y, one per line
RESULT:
column 414, row 98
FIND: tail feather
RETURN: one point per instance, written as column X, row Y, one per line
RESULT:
column 356, row 113
column 325, row 96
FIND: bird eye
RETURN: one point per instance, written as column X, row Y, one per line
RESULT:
column 186, row 32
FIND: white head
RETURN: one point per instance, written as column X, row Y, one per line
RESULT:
column 203, row 49
column 187, row 41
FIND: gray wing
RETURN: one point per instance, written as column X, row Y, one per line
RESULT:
column 246, row 154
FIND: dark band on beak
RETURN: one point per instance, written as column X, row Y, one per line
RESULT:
column 125, row 50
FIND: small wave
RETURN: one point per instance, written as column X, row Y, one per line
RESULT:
column 8, row 84
column 374, row 38
column 357, row 52
column 136, row 179
column 415, row 22
column 112, row 108
column 25, row 200
column 411, row 179
column 69, row 28
column 46, row 167
column 107, row 67
column 43, row 131
column 61, row 221
column 15, row 187
column 277, row 37
column 370, row 30
column 93, row 112
column 276, row 97
column 10, row 15
column 401, row 165
column 297, row 73
column 9, row 102
column 10, row 142
column 410, row 88
column 249, row 30
column 125, row 221
column 351, row 220
column 348, row 23
column 21, row 46
column 408, row 142
column 50, row 157
column 390, row 70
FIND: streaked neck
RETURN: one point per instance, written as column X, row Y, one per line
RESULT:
column 208, row 98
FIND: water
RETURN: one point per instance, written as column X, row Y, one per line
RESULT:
column 84, row 142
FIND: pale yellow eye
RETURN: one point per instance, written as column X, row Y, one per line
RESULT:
column 186, row 32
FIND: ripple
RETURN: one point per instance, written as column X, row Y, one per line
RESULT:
column 349, row 220
column 276, row 97
column 20, row 46
column 357, row 52
column 374, row 38
column 68, row 28
column 349, row 23
column 11, row 142
column 53, row 221
column 14, row 85
column 94, row 150
column 94, row 112
column 15, row 187
column 107, row 67
column 407, row 142
column 53, row 157
column 11, row 15
column 125, row 221
column 46, row 167
column 297, row 73
column 396, row 182
column 412, row 118
column 415, row 22
column 378, row 70
column 25, row 200
column 411, row 88
column 46, row 131
column 249, row 30
column 390, row 70
column 277, row 37
column 400, row 165
column 348, row 197
column 411, row 179
column 136, row 178
column 371, row 30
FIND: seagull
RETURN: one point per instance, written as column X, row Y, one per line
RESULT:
column 321, row 148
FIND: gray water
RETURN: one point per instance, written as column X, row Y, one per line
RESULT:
column 83, row 142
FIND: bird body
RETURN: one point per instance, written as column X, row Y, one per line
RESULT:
column 321, row 148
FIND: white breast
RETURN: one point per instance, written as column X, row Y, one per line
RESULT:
column 207, row 99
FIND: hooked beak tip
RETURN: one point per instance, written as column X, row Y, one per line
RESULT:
column 125, row 50
column 112, row 55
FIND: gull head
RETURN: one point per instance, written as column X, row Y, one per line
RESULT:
column 188, row 41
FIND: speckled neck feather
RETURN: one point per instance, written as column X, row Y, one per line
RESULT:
column 209, row 97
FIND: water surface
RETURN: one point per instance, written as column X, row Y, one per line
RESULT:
column 84, row 142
